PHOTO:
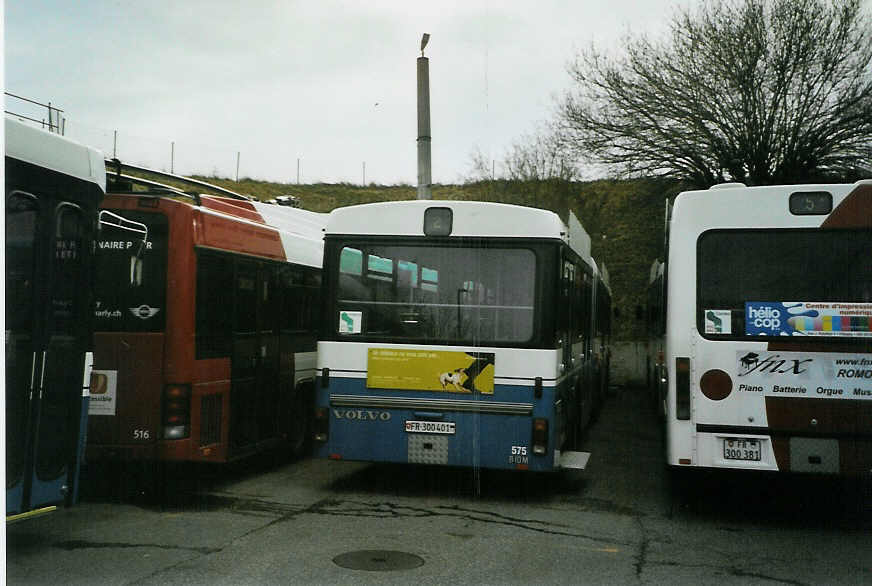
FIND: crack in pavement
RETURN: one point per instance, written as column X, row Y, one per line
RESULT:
column 642, row 556
column 340, row 508
column 348, row 508
column 733, row 571
column 73, row 545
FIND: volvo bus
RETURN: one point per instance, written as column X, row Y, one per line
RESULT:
column 768, row 337
column 460, row 334
column 205, row 326
column 53, row 188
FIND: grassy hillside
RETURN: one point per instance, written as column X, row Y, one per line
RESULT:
column 623, row 218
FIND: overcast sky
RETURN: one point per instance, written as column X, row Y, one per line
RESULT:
column 330, row 83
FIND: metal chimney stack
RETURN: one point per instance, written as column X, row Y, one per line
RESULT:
column 424, row 158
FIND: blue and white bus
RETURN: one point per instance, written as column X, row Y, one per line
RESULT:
column 460, row 334
column 53, row 188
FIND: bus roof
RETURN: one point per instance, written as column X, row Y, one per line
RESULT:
column 296, row 221
column 469, row 219
column 737, row 206
column 53, row 151
column 299, row 234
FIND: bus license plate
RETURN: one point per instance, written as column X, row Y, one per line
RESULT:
column 446, row 427
column 742, row 449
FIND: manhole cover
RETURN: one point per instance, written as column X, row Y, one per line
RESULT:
column 378, row 560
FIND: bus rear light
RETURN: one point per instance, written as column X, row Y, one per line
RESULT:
column 716, row 384
column 540, row 436
column 682, row 388
column 321, row 425
column 176, row 420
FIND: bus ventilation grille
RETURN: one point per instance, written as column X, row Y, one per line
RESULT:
column 210, row 419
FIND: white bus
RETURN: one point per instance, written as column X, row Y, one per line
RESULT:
column 458, row 333
column 768, row 344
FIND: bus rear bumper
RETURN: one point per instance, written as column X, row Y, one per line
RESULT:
column 780, row 452
column 571, row 460
column 120, row 453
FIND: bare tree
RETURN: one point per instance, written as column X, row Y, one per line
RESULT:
column 759, row 91
column 537, row 170
column 540, row 156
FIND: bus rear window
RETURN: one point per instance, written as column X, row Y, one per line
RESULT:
column 436, row 294
column 784, row 282
column 131, row 271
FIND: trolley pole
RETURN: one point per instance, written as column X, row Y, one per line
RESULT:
column 424, row 157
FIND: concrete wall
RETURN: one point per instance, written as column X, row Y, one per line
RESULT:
column 629, row 363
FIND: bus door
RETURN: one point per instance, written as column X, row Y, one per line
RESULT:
column 46, row 340
column 254, row 366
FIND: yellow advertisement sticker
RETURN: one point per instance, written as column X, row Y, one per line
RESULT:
column 430, row 370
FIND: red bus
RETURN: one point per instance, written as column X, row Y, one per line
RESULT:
column 204, row 344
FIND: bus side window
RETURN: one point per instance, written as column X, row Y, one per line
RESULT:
column 288, row 301
column 312, row 299
column 213, row 311
column 245, row 306
column 300, row 298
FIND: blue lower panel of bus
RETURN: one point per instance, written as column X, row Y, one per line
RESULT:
column 393, row 426
column 43, row 492
column 55, row 489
